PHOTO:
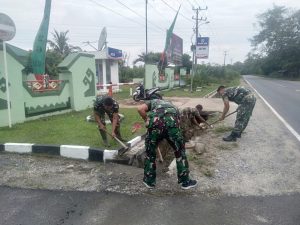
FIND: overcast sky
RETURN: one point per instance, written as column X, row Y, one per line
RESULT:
column 230, row 28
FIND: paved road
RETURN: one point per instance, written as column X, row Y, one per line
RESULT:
column 28, row 207
column 282, row 95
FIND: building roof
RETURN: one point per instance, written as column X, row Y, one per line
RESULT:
column 67, row 63
column 19, row 54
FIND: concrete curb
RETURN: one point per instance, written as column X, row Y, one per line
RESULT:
column 210, row 94
column 70, row 151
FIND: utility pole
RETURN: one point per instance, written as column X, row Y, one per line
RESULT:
column 146, row 9
column 225, row 54
column 197, row 35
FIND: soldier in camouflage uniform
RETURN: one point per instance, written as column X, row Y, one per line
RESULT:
column 190, row 117
column 162, row 121
column 102, row 105
column 246, row 101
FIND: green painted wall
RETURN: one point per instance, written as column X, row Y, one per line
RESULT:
column 81, row 74
column 77, row 91
column 40, row 103
column 16, row 95
column 152, row 78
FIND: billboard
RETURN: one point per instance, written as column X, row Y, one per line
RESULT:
column 174, row 51
column 202, row 48
column 114, row 53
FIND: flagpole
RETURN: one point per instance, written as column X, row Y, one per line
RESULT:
column 146, row 9
column 6, row 84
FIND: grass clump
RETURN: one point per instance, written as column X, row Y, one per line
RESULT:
column 222, row 129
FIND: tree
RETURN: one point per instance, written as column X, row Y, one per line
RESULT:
column 52, row 60
column 277, row 45
column 151, row 58
column 187, row 62
column 60, row 43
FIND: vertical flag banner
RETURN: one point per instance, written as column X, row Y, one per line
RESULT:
column 39, row 47
column 163, row 61
column 202, row 47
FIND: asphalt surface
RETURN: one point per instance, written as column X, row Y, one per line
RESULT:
column 28, row 207
column 282, row 95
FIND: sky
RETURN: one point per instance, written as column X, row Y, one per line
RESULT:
column 231, row 23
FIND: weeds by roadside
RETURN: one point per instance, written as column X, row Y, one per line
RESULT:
column 222, row 129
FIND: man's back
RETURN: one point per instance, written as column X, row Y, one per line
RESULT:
column 236, row 94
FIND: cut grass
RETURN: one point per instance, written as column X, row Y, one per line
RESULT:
column 222, row 129
column 69, row 129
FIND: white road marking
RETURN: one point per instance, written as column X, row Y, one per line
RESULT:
column 297, row 90
column 288, row 126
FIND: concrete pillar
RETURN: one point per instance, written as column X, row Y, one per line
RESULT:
column 104, row 73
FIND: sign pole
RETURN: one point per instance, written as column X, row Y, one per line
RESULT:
column 6, row 84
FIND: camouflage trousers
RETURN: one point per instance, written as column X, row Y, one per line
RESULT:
column 174, row 137
column 244, row 112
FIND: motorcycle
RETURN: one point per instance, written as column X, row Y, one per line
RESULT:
column 142, row 94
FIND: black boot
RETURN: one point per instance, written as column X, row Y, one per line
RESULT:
column 231, row 137
column 104, row 137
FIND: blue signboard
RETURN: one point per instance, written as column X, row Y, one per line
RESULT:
column 114, row 53
column 203, row 41
column 202, row 47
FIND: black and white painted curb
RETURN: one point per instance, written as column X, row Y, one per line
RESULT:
column 70, row 151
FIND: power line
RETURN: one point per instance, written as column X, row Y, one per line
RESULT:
column 138, row 14
column 109, row 9
column 183, row 6
column 158, row 13
column 190, row 3
column 176, row 11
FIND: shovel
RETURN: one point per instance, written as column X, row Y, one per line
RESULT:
column 225, row 117
column 126, row 148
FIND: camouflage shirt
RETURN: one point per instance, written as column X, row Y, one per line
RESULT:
column 158, row 107
column 189, row 113
column 235, row 94
column 162, row 114
column 99, row 107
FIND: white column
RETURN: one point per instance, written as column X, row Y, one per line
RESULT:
column 104, row 74
column 6, row 83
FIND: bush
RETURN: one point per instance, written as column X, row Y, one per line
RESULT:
column 127, row 73
column 208, row 74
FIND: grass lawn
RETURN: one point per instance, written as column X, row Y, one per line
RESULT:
column 70, row 128
column 178, row 92
column 124, row 94
column 185, row 91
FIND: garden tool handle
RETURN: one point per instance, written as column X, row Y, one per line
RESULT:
column 117, row 139
column 225, row 117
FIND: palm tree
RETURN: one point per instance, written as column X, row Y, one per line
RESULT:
column 60, row 43
column 151, row 57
